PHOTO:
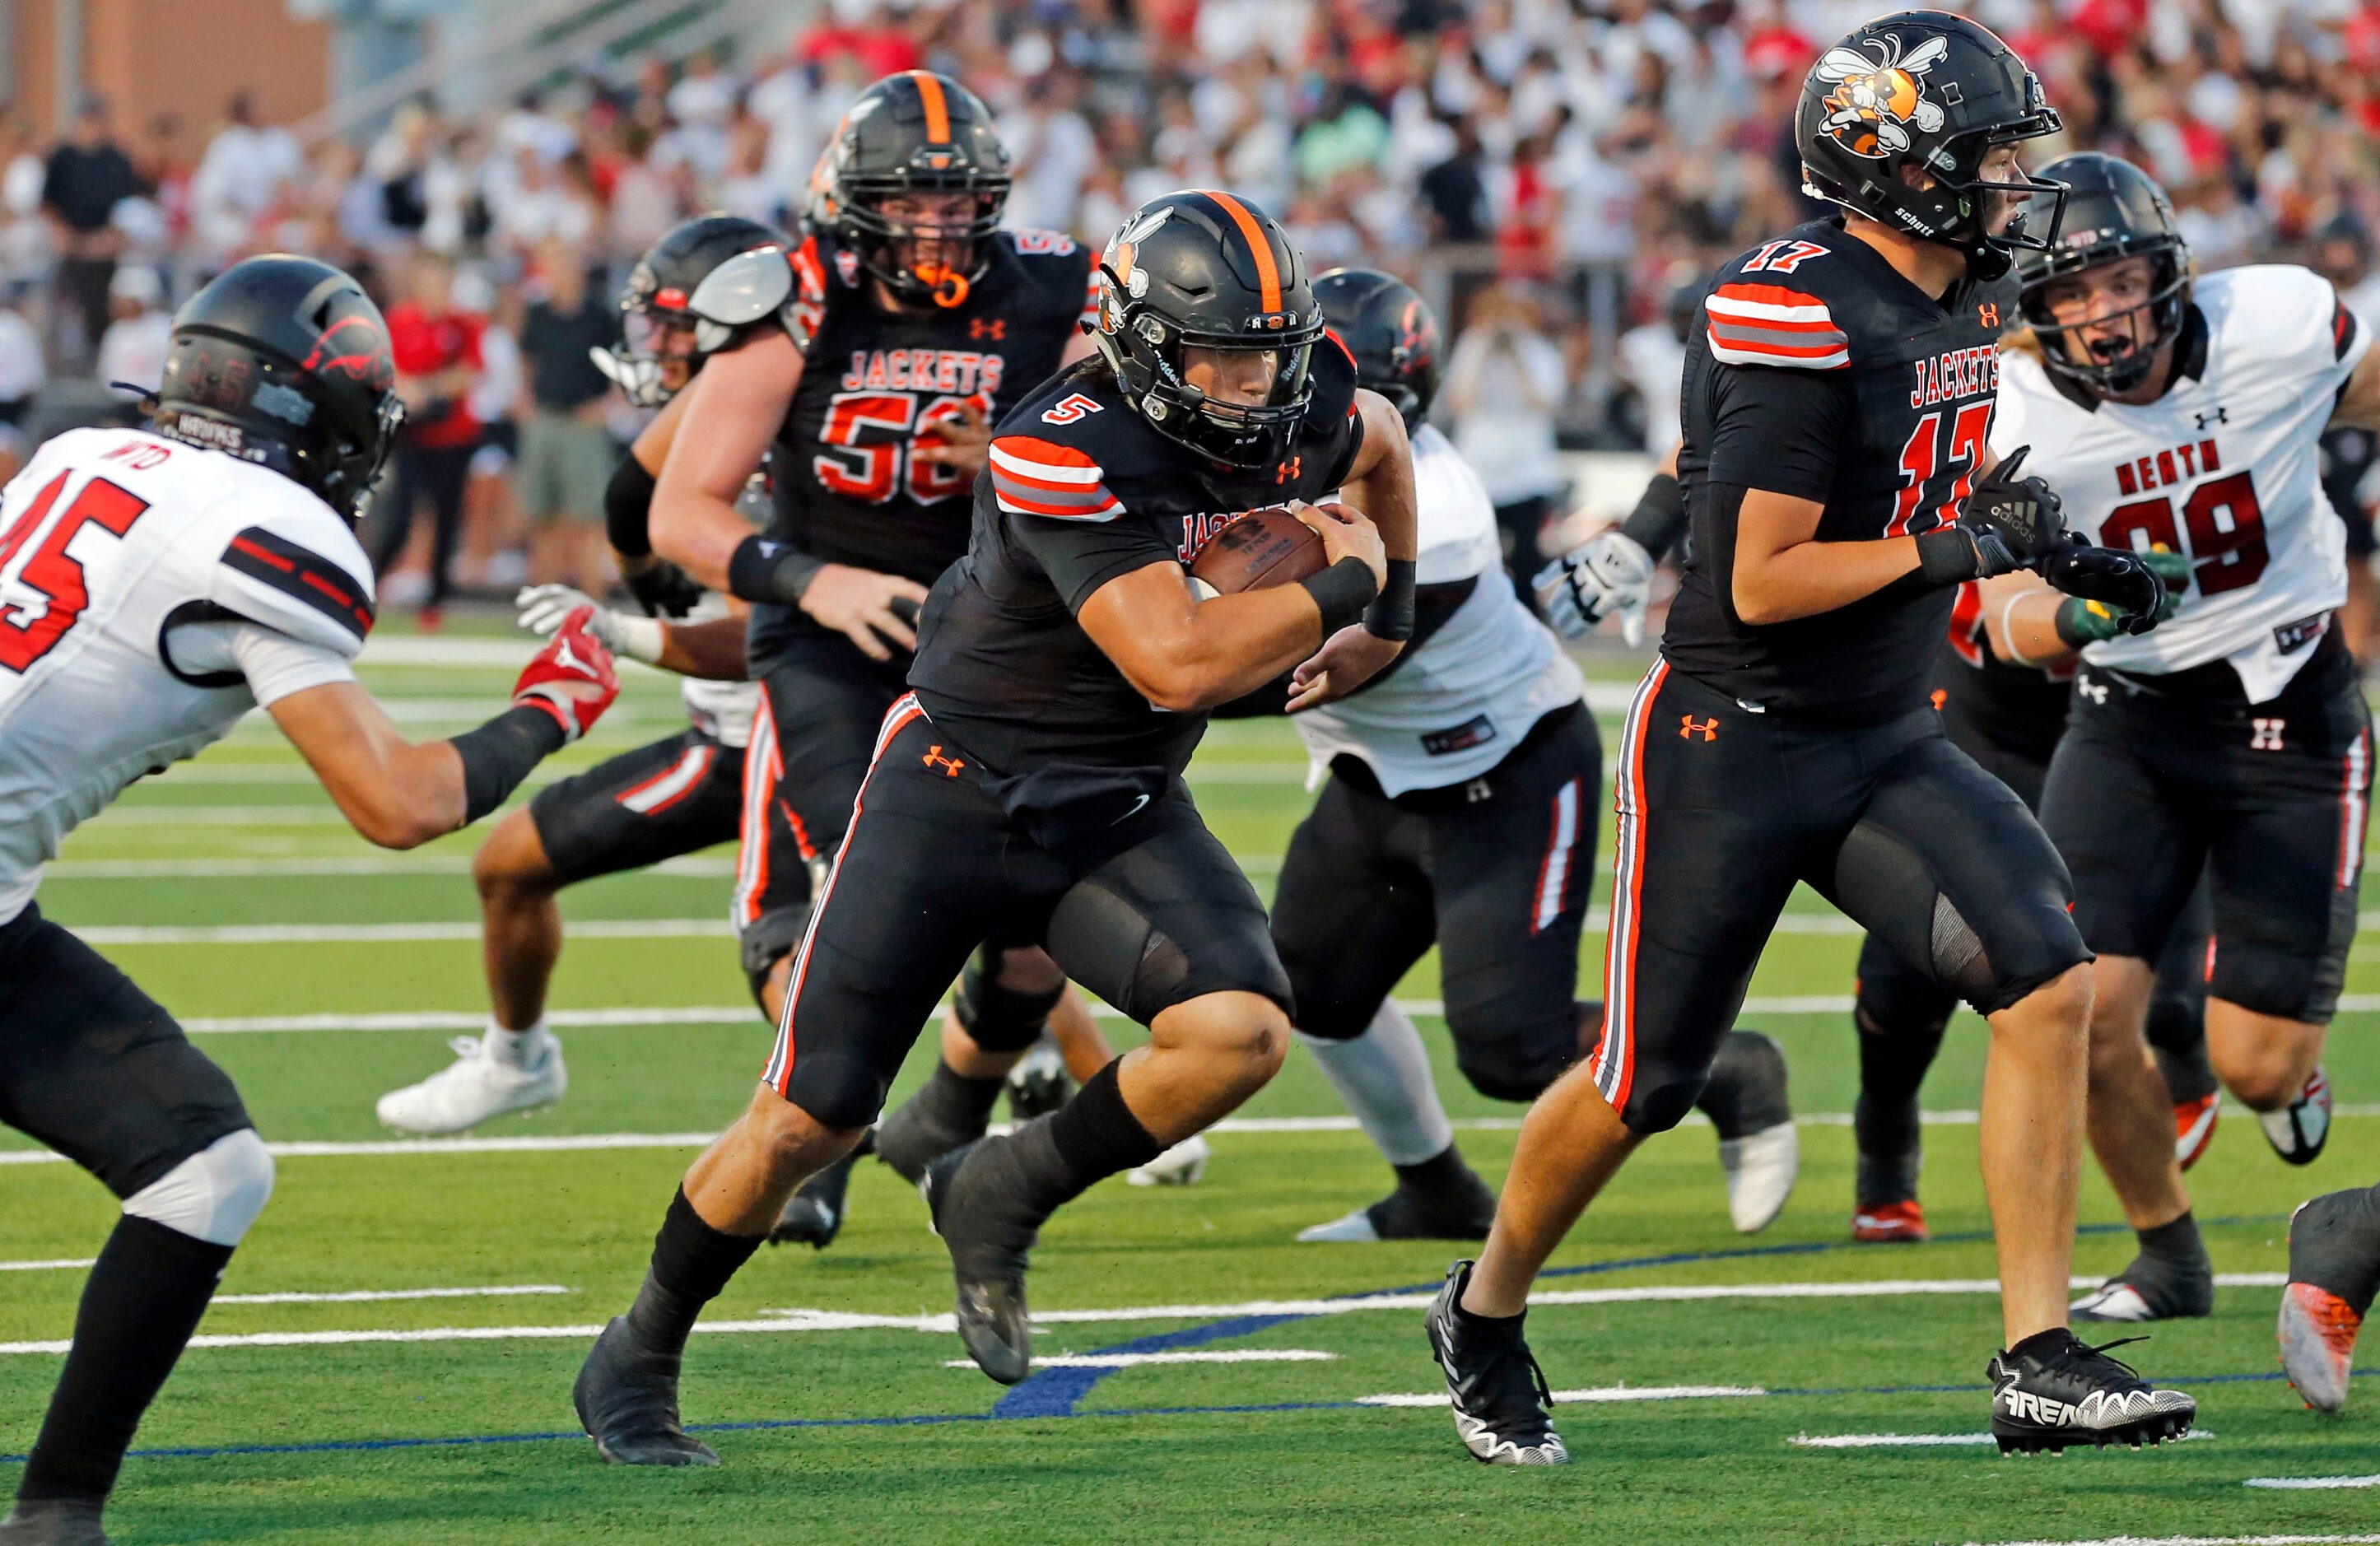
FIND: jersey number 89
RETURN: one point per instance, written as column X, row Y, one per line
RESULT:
column 2225, row 554
column 869, row 435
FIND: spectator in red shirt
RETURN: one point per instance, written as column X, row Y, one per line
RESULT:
column 437, row 349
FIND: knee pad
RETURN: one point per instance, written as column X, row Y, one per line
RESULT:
column 213, row 1196
column 1897, row 1001
column 1000, row 1019
column 1513, row 1063
column 768, row 940
column 1660, row 1097
column 2178, row 1017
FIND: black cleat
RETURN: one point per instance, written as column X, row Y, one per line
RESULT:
column 813, row 1215
column 626, row 1399
column 975, row 1195
column 2053, row 1391
column 2151, row 1289
column 920, row 1130
column 1499, row 1392
column 55, row 1521
column 1038, row 1085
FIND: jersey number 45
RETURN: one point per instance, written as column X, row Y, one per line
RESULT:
column 43, row 591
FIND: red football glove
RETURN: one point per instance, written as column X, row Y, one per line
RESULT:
column 572, row 678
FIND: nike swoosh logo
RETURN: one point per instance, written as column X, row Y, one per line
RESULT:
column 1137, row 806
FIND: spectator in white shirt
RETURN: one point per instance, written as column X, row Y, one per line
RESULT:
column 1505, row 384
column 21, row 375
column 245, row 166
column 140, row 330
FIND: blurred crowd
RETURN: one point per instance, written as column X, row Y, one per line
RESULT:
column 1557, row 173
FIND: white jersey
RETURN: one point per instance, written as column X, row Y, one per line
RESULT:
column 724, row 710
column 2225, row 466
column 151, row 593
column 1457, row 705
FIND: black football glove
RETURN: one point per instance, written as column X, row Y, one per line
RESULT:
column 2124, row 581
column 664, row 589
column 2009, row 523
column 2082, row 621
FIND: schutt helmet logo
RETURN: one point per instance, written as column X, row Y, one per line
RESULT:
column 1877, row 101
column 353, row 346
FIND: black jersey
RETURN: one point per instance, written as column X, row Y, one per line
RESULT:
column 846, row 490
column 2020, row 709
column 1080, row 490
column 1822, row 373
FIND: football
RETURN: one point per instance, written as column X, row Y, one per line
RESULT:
column 1261, row 549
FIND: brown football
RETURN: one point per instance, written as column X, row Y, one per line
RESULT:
column 1261, row 549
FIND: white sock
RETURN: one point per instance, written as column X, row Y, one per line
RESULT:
column 1383, row 1076
column 512, row 1047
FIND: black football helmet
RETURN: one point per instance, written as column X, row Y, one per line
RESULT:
column 669, row 323
column 913, row 133
column 2115, row 211
column 1206, row 270
column 285, row 363
column 1390, row 330
column 1931, row 93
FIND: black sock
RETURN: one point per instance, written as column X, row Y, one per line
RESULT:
column 1509, row 1324
column 692, row 1262
column 1442, row 1173
column 2175, row 1244
column 960, row 1101
column 1745, row 1092
column 142, row 1301
column 1885, row 1121
column 2177, row 1033
column 2335, row 1245
column 1090, row 1138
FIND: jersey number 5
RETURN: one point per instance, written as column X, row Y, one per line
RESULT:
column 2222, row 528
column 870, row 441
column 32, row 625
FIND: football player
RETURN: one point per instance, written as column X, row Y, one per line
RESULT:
column 1029, row 788
column 159, row 583
column 869, row 371
column 677, row 796
column 2334, row 1274
column 2185, row 412
column 1835, row 471
column 1458, row 808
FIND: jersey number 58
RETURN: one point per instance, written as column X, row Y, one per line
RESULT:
column 868, row 436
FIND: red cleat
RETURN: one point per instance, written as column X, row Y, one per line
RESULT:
column 2193, row 1127
column 1889, row 1224
column 2317, row 1333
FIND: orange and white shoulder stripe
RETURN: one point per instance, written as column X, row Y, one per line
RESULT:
column 809, row 291
column 1770, row 325
column 1035, row 477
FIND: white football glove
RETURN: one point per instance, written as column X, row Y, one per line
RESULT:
column 543, row 608
column 1609, row 575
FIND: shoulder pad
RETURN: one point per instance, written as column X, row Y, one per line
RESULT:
column 748, row 288
column 1031, row 476
column 267, row 577
column 1752, row 323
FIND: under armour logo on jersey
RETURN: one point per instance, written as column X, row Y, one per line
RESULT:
column 1286, row 470
column 1939, row 698
column 1689, row 727
column 2095, row 691
column 2267, row 735
column 950, row 765
column 2216, row 415
column 995, row 328
column 1988, row 313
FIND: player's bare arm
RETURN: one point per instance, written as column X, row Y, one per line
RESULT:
column 1783, row 572
column 735, row 408
column 1187, row 656
column 400, row 794
column 1381, row 485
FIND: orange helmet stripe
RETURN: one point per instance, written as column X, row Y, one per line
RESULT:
column 938, row 109
column 1268, row 275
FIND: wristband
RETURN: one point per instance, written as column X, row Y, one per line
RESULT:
column 628, row 508
column 1658, row 516
column 762, row 570
column 1342, row 591
column 641, row 639
column 1390, row 615
column 501, row 753
column 1946, row 555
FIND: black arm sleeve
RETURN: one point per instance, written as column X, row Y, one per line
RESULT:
column 499, row 754
column 1660, row 516
column 1780, row 429
column 629, row 507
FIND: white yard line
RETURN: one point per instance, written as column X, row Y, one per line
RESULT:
column 1137, row 1360
column 389, row 934
column 2311, row 1483
column 470, row 1019
column 58, row 1265
column 1916, row 1441
column 848, row 1321
column 375, row 1295
column 257, row 869
column 2193, row 1541
column 1600, row 1392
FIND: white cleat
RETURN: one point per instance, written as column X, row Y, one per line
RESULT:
column 1355, row 1227
column 2113, row 1301
column 2298, row 1130
column 1181, row 1165
column 476, row 1087
column 1761, row 1169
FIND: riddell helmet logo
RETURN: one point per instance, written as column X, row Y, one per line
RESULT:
column 1876, row 100
column 353, row 346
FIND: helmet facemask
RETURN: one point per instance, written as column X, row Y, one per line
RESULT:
column 1153, row 363
column 923, row 260
column 2076, row 349
column 660, row 354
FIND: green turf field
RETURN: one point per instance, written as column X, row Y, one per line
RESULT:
column 322, row 973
